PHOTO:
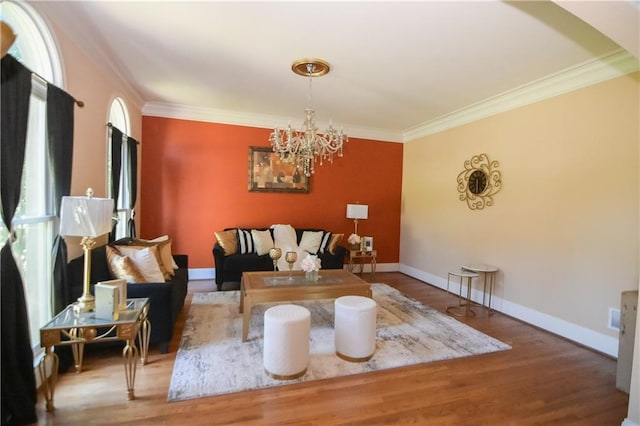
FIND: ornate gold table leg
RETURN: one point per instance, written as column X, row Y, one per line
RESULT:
column 144, row 334
column 130, row 355
column 49, row 380
column 77, row 348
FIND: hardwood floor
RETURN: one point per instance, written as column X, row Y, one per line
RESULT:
column 543, row 380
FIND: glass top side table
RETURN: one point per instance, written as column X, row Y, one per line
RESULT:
column 76, row 330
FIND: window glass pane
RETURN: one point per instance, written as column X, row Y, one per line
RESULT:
column 119, row 117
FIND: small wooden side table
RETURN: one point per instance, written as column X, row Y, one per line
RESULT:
column 360, row 256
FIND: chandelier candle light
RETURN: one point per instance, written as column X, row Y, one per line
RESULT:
column 306, row 146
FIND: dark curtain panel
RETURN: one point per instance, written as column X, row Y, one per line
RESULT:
column 116, row 164
column 132, row 146
column 17, row 378
column 60, row 144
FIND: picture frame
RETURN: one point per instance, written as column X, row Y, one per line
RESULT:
column 368, row 243
column 269, row 173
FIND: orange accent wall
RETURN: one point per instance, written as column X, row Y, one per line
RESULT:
column 194, row 181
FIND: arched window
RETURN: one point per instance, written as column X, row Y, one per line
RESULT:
column 34, row 222
column 119, row 118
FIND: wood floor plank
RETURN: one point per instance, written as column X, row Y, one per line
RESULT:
column 543, row 380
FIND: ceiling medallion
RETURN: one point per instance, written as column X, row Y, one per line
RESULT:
column 479, row 182
column 307, row 146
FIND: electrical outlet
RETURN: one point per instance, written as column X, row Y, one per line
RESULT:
column 614, row 319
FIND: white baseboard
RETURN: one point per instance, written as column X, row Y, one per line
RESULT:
column 202, row 273
column 210, row 273
column 584, row 336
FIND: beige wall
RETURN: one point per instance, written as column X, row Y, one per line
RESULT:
column 97, row 88
column 564, row 228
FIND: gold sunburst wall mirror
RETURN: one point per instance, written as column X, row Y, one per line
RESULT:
column 479, row 181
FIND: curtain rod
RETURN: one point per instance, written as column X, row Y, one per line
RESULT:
column 109, row 125
column 40, row 80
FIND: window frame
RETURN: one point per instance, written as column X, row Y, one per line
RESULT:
column 34, row 223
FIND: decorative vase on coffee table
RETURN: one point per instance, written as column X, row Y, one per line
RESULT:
column 311, row 276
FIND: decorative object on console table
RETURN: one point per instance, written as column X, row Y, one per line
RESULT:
column 107, row 301
column 89, row 218
column 356, row 212
column 368, row 243
column 122, row 291
column 269, row 173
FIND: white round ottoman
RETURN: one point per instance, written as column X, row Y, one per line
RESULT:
column 355, row 328
column 286, row 341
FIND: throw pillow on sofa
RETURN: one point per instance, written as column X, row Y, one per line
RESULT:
column 122, row 266
column 262, row 241
column 310, row 241
column 164, row 245
column 245, row 242
column 146, row 260
column 228, row 240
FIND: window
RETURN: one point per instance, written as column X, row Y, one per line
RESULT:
column 119, row 117
column 34, row 221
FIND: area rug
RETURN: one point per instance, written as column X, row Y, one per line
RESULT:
column 212, row 359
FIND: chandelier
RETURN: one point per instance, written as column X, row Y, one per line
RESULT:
column 306, row 147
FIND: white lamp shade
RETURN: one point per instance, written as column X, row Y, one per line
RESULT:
column 357, row 211
column 85, row 217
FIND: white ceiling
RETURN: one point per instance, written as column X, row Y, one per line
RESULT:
column 395, row 65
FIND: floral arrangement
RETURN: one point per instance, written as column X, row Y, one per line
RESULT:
column 354, row 239
column 310, row 263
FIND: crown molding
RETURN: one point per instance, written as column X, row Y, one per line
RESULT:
column 605, row 68
column 212, row 115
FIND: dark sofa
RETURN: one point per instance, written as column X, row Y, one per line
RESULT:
column 166, row 299
column 229, row 269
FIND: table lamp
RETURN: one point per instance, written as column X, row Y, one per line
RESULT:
column 357, row 211
column 89, row 218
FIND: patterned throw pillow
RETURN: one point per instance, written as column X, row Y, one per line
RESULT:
column 245, row 242
column 324, row 244
column 122, row 267
column 228, row 240
column 147, row 260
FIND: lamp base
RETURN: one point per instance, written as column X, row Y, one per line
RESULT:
column 85, row 304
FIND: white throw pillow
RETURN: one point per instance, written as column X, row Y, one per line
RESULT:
column 310, row 241
column 145, row 261
column 262, row 241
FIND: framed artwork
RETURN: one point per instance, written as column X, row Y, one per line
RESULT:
column 368, row 243
column 268, row 173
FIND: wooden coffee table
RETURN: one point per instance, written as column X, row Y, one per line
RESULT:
column 263, row 287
